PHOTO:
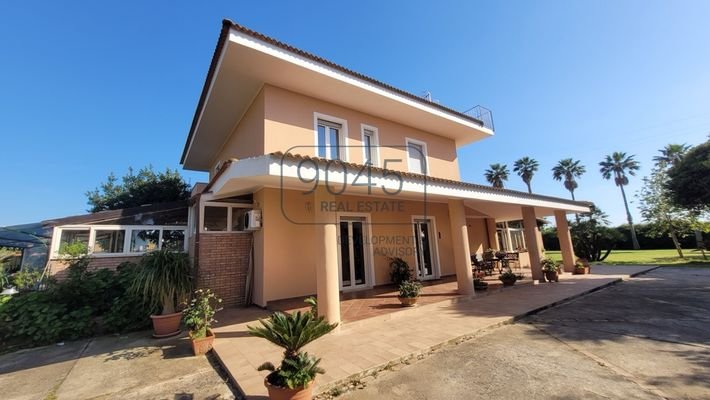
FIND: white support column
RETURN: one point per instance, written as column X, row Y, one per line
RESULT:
column 532, row 242
column 462, row 252
column 563, row 235
column 326, row 251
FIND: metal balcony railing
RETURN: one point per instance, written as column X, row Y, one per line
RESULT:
column 482, row 114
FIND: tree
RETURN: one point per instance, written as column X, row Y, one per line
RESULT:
column 569, row 170
column 526, row 168
column 497, row 174
column 145, row 187
column 591, row 238
column 689, row 179
column 657, row 208
column 618, row 165
column 671, row 155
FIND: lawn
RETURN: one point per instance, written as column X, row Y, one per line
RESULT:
column 657, row 257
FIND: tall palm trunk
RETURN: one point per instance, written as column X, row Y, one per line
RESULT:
column 634, row 240
column 529, row 188
column 576, row 216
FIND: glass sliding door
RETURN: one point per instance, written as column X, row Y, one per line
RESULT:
column 353, row 261
column 424, row 246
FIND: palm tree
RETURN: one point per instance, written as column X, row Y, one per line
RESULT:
column 526, row 167
column 618, row 165
column 671, row 154
column 569, row 170
column 497, row 174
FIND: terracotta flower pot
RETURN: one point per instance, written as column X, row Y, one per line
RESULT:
column 166, row 325
column 408, row 301
column 581, row 271
column 202, row 345
column 279, row 393
column 552, row 276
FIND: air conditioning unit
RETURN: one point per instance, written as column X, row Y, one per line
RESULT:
column 252, row 220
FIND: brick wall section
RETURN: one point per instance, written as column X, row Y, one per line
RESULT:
column 222, row 261
column 58, row 268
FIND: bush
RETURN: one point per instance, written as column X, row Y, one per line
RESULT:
column 399, row 271
column 26, row 279
column 85, row 304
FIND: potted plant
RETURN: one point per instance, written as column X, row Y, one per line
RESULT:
column 479, row 285
column 551, row 269
column 198, row 316
column 294, row 378
column 581, row 267
column 163, row 280
column 399, row 270
column 409, row 292
column 509, row 278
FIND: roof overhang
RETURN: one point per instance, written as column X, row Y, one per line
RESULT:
column 293, row 172
column 245, row 61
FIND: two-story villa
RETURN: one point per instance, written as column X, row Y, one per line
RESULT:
column 346, row 172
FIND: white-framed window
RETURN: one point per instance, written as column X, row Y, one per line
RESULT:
column 117, row 240
column 331, row 135
column 223, row 217
column 417, row 156
column 511, row 236
column 370, row 145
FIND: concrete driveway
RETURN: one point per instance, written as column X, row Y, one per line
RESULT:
column 132, row 366
column 646, row 338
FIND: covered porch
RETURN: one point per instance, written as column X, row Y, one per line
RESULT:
column 382, row 301
column 322, row 236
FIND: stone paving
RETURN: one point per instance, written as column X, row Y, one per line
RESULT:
column 369, row 344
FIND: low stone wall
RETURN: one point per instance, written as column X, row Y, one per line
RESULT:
column 58, row 267
column 222, row 261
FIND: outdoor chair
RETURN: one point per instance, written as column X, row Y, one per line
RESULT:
column 481, row 265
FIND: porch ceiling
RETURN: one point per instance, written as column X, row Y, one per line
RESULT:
column 293, row 172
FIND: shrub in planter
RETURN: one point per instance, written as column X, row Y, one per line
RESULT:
column 581, row 267
column 198, row 317
column 509, row 278
column 164, row 280
column 479, row 284
column 551, row 269
column 294, row 377
column 399, row 271
column 409, row 292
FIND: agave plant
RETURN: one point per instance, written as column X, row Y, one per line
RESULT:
column 292, row 332
column 163, row 279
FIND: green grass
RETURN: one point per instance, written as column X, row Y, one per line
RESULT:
column 653, row 257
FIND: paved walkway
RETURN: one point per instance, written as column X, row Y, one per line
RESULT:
column 132, row 366
column 646, row 338
column 367, row 345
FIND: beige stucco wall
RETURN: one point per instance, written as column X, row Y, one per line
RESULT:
column 289, row 126
column 285, row 249
column 247, row 138
column 477, row 235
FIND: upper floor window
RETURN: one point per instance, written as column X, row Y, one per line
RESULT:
column 417, row 156
column 330, row 137
column 369, row 145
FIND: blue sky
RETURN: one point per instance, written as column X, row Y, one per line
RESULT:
column 87, row 88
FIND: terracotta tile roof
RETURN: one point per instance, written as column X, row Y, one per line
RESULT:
column 228, row 24
column 466, row 185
